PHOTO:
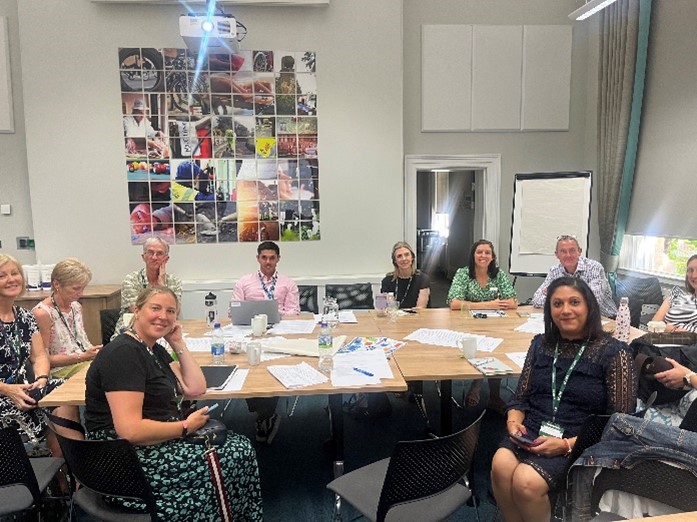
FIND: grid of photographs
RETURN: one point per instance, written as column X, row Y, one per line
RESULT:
column 223, row 148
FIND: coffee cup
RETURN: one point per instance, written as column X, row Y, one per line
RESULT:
column 656, row 326
column 468, row 346
column 259, row 325
column 253, row 352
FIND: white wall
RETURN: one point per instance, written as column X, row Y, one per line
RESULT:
column 75, row 147
column 14, row 183
column 520, row 152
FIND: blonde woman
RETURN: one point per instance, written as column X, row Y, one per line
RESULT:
column 410, row 286
column 60, row 319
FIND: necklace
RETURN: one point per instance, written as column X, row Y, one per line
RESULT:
column 406, row 292
column 72, row 333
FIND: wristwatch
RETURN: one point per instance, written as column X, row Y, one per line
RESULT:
column 687, row 379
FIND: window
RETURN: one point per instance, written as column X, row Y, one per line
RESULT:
column 660, row 256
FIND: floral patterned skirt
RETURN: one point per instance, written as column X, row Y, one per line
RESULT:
column 181, row 480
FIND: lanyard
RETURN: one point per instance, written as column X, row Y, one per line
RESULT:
column 73, row 332
column 178, row 397
column 556, row 397
column 268, row 291
column 396, row 290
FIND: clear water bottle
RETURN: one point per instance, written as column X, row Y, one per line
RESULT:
column 325, row 345
column 211, row 304
column 217, row 345
column 622, row 322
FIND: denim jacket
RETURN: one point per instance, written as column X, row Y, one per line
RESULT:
column 626, row 441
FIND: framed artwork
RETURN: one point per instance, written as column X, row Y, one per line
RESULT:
column 222, row 148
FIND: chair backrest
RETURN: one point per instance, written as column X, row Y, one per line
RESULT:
column 308, row 298
column 108, row 318
column 15, row 468
column 652, row 479
column 109, row 467
column 640, row 291
column 357, row 296
column 422, row 468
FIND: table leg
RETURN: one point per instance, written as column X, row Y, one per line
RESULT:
column 446, row 408
column 336, row 426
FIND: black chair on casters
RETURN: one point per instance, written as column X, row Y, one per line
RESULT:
column 308, row 298
column 108, row 319
column 357, row 296
column 111, row 468
column 22, row 480
column 423, row 480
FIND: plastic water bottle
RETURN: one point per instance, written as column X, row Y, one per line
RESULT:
column 217, row 345
column 622, row 322
column 211, row 304
column 325, row 345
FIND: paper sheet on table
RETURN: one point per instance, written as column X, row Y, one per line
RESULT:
column 445, row 337
column 489, row 313
column 345, row 364
column 297, row 375
column 237, row 380
column 345, row 316
column 234, row 331
column 532, row 325
column 306, row 347
column 293, row 326
column 518, row 358
column 198, row 344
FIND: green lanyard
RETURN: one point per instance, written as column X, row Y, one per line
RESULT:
column 556, row 397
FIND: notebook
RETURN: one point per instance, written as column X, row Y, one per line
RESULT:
column 217, row 377
column 241, row 312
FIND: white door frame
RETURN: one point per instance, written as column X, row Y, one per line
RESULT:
column 489, row 163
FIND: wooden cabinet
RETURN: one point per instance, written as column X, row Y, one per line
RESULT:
column 95, row 298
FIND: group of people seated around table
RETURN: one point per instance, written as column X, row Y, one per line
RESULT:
column 136, row 390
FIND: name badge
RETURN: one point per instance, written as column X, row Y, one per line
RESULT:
column 550, row 429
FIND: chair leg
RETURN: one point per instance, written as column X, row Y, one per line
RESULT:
column 337, row 509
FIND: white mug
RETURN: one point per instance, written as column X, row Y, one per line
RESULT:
column 258, row 325
column 468, row 346
column 253, row 352
column 656, row 326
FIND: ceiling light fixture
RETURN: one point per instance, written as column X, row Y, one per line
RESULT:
column 590, row 8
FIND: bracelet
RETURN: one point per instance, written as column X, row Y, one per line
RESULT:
column 185, row 428
column 568, row 447
column 41, row 377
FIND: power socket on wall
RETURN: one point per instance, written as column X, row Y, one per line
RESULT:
column 25, row 243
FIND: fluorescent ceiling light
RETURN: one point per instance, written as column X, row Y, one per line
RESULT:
column 590, row 8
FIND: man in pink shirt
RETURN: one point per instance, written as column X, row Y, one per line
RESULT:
column 267, row 283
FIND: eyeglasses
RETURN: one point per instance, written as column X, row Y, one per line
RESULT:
column 154, row 253
column 566, row 237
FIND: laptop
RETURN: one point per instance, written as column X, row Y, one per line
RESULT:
column 241, row 312
column 217, row 377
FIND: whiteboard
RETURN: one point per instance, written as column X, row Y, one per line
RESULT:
column 547, row 205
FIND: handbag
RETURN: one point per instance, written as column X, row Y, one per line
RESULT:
column 213, row 433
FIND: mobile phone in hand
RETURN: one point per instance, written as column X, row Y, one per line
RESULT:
column 525, row 441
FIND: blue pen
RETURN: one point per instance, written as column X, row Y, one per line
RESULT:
column 364, row 372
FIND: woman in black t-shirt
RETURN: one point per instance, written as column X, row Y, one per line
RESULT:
column 134, row 391
column 410, row 286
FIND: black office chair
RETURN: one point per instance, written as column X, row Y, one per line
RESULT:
column 652, row 479
column 423, row 480
column 108, row 318
column 111, row 468
column 22, row 480
column 645, row 296
column 308, row 298
column 357, row 296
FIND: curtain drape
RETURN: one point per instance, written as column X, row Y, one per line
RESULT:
column 622, row 66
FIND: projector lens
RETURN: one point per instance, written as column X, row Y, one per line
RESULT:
column 207, row 26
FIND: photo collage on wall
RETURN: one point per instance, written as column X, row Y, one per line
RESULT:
column 220, row 150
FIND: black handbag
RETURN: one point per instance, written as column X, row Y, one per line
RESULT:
column 213, row 433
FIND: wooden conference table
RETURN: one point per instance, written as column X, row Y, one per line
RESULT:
column 413, row 362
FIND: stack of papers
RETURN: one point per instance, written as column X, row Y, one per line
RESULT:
column 490, row 366
column 297, row 375
column 345, row 316
column 306, row 347
column 385, row 344
column 445, row 337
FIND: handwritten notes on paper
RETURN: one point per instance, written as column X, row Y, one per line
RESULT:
column 445, row 337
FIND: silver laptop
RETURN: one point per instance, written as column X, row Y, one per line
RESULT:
column 241, row 312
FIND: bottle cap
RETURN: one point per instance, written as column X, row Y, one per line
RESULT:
column 216, row 325
column 323, row 324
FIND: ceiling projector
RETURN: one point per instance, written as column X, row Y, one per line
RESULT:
column 218, row 33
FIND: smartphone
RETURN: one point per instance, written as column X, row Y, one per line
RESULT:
column 211, row 408
column 525, row 441
column 409, row 310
